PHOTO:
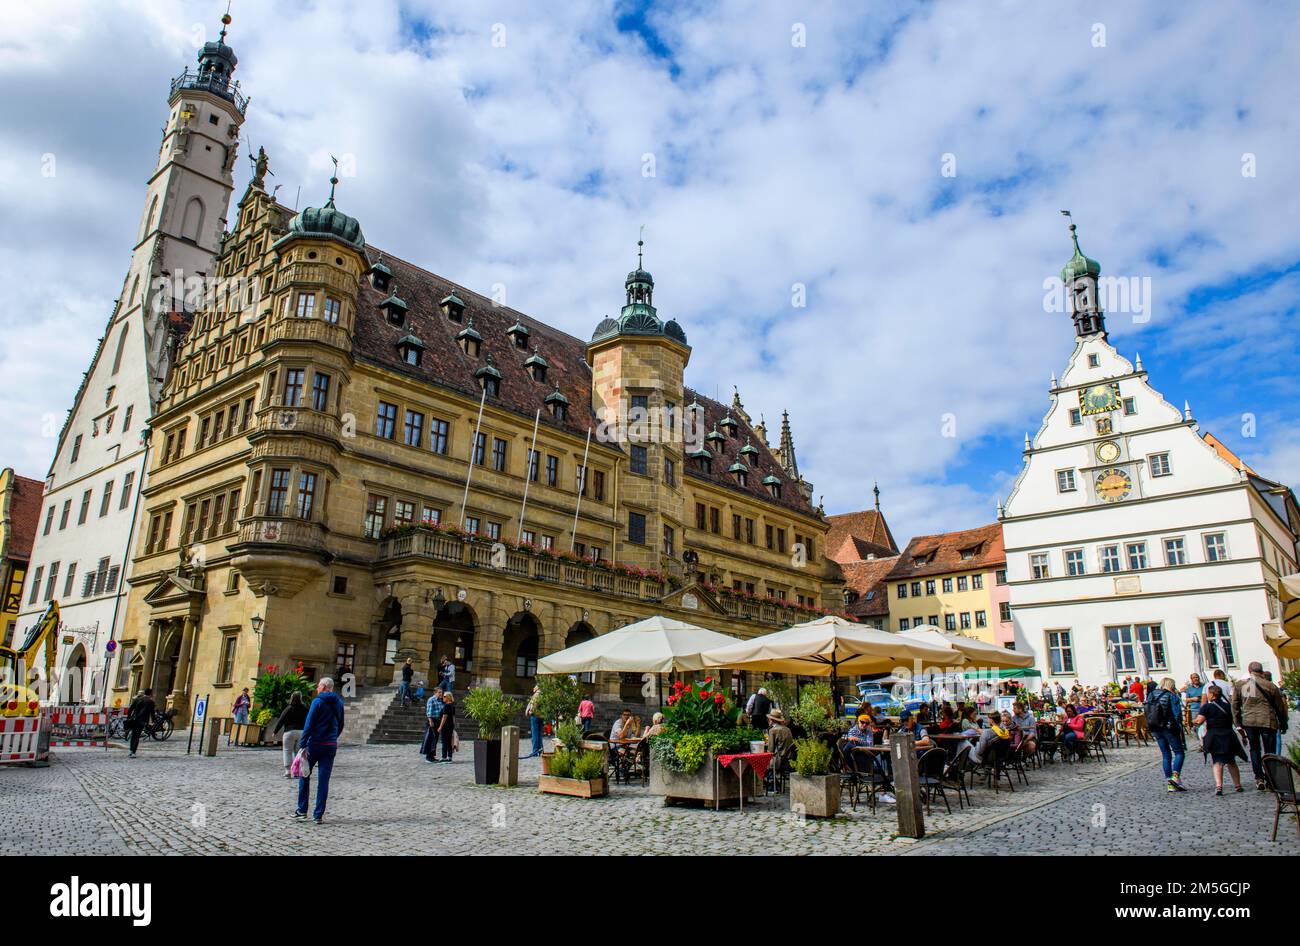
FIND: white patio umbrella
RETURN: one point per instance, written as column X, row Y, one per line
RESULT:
column 977, row 652
column 830, row 646
column 655, row 645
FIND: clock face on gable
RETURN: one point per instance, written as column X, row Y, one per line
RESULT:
column 1107, row 451
column 1113, row 485
column 1100, row 398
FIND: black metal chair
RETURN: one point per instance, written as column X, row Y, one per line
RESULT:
column 993, row 768
column 1015, row 762
column 955, row 775
column 1283, row 776
column 930, row 769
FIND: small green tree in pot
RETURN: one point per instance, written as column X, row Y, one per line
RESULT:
column 558, row 696
column 491, row 709
column 814, row 789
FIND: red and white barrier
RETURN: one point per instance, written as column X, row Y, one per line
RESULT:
column 76, row 726
column 20, row 739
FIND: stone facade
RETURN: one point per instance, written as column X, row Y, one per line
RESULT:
column 315, row 478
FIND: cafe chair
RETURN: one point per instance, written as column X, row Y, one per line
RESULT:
column 930, row 769
column 1094, row 738
column 954, row 775
column 1015, row 762
column 994, row 768
column 1283, row 776
column 1128, row 729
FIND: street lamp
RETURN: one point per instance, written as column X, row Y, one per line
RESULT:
column 256, row 622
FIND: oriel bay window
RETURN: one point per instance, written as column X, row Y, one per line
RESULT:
column 293, row 378
column 278, row 494
column 320, row 391
column 636, row 528
column 306, row 498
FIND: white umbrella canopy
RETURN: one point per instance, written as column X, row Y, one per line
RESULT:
column 655, row 645
column 977, row 653
column 829, row 646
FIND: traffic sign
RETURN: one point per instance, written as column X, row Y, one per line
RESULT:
column 200, row 709
column 110, row 647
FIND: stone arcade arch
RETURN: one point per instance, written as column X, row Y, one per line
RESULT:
column 453, row 637
column 519, row 652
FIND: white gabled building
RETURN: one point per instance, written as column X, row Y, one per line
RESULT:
column 1133, row 544
column 89, row 514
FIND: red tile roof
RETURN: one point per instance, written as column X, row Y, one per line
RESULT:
column 867, row 580
column 446, row 365
column 24, row 516
column 943, row 553
column 856, row 535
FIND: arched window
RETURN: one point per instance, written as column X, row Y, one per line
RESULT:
column 121, row 346
column 192, row 223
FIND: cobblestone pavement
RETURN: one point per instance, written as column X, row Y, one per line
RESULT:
column 387, row 800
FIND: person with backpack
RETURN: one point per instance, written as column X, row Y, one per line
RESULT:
column 291, row 722
column 1164, row 714
column 138, row 715
column 1219, row 739
column 1259, row 710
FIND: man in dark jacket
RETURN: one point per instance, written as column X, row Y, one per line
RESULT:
column 404, row 689
column 138, row 716
column 320, row 737
column 1259, row 709
column 762, row 706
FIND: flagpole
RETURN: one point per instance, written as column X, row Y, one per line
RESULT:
column 473, row 448
column 582, row 488
column 528, row 474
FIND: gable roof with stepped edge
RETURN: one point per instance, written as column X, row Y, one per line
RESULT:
column 941, row 554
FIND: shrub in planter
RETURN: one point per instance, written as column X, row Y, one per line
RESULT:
column 558, row 696
column 491, row 709
column 814, row 790
column 578, row 773
column 275, row 686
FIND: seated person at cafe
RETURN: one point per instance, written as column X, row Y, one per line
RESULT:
column 656, row 726
column 999, row 730
column 923, row 714
column 1072, row 730
column 861, row 733
column 910, row 724
column 970, row 720
column 1026, row 724
column 623, row 727
column 947, row 721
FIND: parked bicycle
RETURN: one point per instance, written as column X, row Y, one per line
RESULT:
column 159, row 728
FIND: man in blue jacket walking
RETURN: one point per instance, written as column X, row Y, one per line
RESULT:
column 320, row 739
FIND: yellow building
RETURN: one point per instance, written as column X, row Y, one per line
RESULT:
column 20, row 510
column 311, row 496
column 955, row 581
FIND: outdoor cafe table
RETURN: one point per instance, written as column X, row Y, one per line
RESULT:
column 758, row 761
column 622, row 763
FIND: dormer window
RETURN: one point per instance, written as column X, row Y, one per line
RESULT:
column 557, row 403
column 452, row 306
column 729, row 426
column 518, row 334
column 749, row 452
column 489, row 378
column 773, row 485
column 395, row 309
column 471, row 342
column 411, row 349
column 701, row 459
column 380, row 275
column 740, row 472
column 713, row 436
column 536, row 365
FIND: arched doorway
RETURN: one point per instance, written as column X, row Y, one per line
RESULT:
column 72, row 683
column 519, row 653
column 578, row 633
column 391, row 626
column 164, row 679
column 453, row 638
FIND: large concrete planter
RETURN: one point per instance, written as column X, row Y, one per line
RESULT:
column 709, row 783
column 817, row 796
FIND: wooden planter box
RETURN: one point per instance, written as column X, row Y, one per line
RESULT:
column 818, row 796
column 577, row 787
column 709, row 784
column 246, row 734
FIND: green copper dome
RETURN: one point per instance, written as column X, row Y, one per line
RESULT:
column 1079, row 265
column 330, row 222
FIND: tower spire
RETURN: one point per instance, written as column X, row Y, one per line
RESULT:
column 786, row 450
column 1079, row 275
column 334, row 180
column 875, row 488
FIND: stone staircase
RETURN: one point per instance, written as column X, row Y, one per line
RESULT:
column 377, row 718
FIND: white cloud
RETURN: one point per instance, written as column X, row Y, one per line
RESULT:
column 775, row 165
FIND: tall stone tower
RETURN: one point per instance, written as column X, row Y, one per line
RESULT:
column 88, row 519
column 638, row 364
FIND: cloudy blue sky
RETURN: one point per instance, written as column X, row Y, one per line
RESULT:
column 905, row 162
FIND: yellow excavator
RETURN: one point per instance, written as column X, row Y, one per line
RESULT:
column 17, row 698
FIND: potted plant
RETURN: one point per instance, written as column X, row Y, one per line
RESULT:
column 568, row 735
column 558, row 696
column 700, row 723
column 580, row 773
column 491, row 709
column 814, row 790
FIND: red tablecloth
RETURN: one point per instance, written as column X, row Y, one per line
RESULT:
column 758, row 761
